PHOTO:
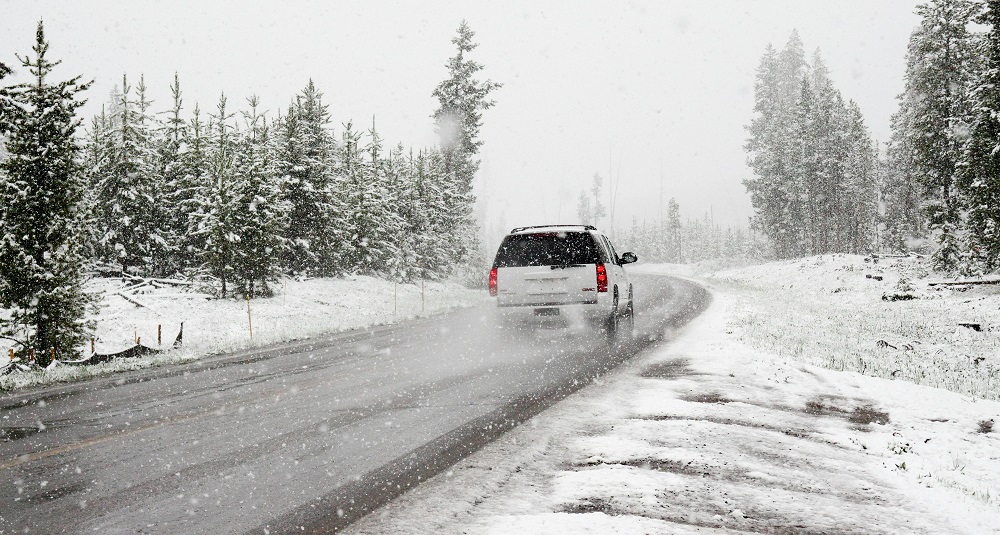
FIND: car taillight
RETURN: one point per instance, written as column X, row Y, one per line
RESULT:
column 493, row 282
column 602, row 278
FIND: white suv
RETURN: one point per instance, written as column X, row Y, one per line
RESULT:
column 563, row 270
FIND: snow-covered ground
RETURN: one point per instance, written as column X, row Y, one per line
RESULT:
column 748, row 422
column 837, row 311
column 301, row 309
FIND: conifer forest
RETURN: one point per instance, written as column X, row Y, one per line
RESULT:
column 220, row 193
column 820, row 184
column 236, row 196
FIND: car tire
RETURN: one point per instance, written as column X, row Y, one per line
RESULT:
column 611, row 327
column 626, row 327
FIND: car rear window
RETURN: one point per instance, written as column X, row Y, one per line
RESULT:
column 547, row 249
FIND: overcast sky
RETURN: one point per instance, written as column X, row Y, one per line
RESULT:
column 655, row 94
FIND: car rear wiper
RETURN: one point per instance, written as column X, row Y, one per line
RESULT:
column 564, row 266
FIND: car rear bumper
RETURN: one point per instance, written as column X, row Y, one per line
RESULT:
column 581, row 314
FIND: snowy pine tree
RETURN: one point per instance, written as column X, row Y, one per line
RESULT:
column 129, row 189
column 304, row 159
column 42, row 268
column 428, row 225
column 373, row 220
column 813, row 188
column 940, row 61
column 177, row 192
column 858, row 212
column 980, row 172
column 218, row 203
column 901, row 196
column 259, row 216
column 672, row 233
column 773, row 188
column 186, row 196
column 461, row 100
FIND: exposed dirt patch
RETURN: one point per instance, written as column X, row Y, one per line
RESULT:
column 660, row 465
column 592, row 505
column 868, row 414
column 710, row 518
column 732, row 474
column 711, row 397
column 790, row 431
column 860, row 414
column 670, row 369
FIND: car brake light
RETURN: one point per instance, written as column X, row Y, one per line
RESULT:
column 493, row 282
column 602, row 278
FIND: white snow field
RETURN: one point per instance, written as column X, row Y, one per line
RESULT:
column 300, row 310
column 733, row 427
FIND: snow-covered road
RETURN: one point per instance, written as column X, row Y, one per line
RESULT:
column 705, row 435
column 309, row 435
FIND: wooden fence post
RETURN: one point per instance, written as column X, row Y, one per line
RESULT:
column 249, row 317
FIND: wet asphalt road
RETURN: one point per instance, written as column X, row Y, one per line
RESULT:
column 303, row 437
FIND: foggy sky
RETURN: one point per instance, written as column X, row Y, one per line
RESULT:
column 655, row 94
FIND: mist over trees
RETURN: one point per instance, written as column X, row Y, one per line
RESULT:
column 234, row 196
column 671, row 240
column 814, row 187
column 589, row 207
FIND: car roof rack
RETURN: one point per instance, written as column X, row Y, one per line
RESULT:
column 519, row 229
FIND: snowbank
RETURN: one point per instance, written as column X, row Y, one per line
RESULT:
column 301, row 309
column 886, row 319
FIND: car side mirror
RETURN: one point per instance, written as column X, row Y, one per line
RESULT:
column 628, row 258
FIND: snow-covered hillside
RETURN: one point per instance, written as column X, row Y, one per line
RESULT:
column 887, row 318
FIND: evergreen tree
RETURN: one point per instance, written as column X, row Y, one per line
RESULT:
column 462, row 98
column 589, row 207
column 7, row 106
column 373, row 221
column 428, row 224
column 673, row 251
column 900, row 195
column 259, row 215
column 980, row 173
column 42, row 268
column 217, row 207
column 178, row 192
column 584, row 210
column 304, row 159
column 774, row 190
column 802, row 185
column 129, row 186
column 939, row 60
column 187, row 195
column 813, row 188
column 94, row 152
column 859, row 200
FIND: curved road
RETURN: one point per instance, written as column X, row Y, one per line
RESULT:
column 302, row 437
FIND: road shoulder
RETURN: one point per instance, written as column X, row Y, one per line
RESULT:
column 704, row 434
